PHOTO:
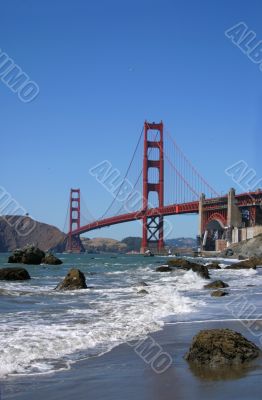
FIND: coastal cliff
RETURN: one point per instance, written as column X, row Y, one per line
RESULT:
column 17, row 232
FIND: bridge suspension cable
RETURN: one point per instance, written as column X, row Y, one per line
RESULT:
column 125, row 176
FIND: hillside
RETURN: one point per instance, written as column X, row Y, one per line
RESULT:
column 248, row 248
column 16, row 232
column 128, row 244
column 103, row 245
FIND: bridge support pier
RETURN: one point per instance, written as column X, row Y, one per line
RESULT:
column 153, row 227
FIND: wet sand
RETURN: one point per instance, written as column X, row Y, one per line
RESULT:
column 122, row 374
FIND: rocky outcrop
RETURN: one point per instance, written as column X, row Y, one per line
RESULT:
column 216, row 285
column 252, row 262
column 75, row 279
column 182, row 263
column 221, row 347
column 246, row 249
column 50, row 259
column 219, row 293
column 19, row 231
column 30, row 255
column 14, row 274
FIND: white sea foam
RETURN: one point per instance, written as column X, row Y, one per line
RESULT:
column 62, row 327
column 37, row 342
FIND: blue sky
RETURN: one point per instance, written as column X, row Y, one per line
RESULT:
column 103, row 67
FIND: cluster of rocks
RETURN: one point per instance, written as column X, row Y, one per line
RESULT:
column 181, row 263
column 32, row 255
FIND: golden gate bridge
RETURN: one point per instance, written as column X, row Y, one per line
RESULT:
column 165, row 184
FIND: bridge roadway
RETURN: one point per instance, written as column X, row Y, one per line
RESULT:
column 212, row 204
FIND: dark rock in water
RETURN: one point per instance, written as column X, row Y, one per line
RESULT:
column 213, row 265
column 219, row 293
column 75, row 279
column 143, row 291
column 253, row 262
column 30, row 255
column 201, row 270
column 216, row 285
column 14, row 274
column 182, row 263
column 240, row 257
column 164, row 268
column 221, row 347
column 50, row 259
column 229, row 253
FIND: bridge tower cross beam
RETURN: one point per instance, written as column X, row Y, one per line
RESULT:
column 74, row 244
column 150, row 230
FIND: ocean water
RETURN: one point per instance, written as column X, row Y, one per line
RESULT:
column 43, row 330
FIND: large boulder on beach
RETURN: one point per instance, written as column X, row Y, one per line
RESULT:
column 75, row 279
column 50, row 259
column 14, row 274
column 252, row 262
column 30, row 255
column 182, row 263
column 221, row 347
column 216, row 285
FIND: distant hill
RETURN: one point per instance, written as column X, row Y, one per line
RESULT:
column 130, row 243
column 17, row 231
column 103, row 245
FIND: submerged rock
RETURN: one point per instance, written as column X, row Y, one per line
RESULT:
column 50, row 259
column 219, row 293
column 75, row 279
column 164, row 268
column 213, row 265
column 182, row 263
column 143, row 291
column 218, row 347
column 216, row 285
column 14, row 274
column 142, row 283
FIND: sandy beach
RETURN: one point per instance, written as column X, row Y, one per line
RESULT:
column 121, row 373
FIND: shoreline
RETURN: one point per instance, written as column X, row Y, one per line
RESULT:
column 121, row 373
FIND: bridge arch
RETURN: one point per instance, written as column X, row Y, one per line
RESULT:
column 216, row 217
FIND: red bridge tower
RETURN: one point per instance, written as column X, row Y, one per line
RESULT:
column 153, row 227
column 74, row 244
